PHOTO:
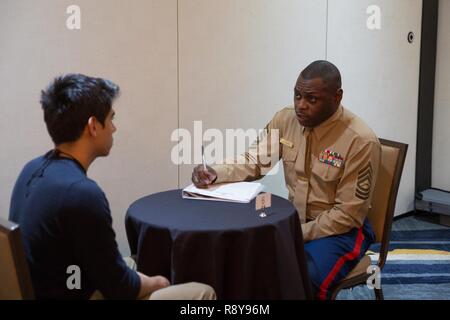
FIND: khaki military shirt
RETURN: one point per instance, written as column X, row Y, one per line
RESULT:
column 329, row 170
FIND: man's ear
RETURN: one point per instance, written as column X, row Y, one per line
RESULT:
column 339, row 94
column 92, row 126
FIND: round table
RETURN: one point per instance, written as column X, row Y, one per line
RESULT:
column 223, row 244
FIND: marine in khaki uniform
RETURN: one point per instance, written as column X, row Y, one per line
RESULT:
column 331, row 159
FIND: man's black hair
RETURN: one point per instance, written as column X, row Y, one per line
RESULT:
column 325, row 70
column 70, row 100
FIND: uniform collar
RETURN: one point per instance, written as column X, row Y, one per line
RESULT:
column 325, row 126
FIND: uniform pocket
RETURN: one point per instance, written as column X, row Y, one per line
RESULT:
column 289, row 157
column 326, row 172
column 289, row 154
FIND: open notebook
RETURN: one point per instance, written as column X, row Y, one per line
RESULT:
column 242, row 192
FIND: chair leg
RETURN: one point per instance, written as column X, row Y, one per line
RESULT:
column 334, row 294
column 379, row 294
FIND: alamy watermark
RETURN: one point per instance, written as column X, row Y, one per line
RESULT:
column 73, row 21
column 374, row 280
column 374, row 20
column 74, row 279
column 235, row 146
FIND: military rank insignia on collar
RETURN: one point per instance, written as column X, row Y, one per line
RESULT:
column 332, row 158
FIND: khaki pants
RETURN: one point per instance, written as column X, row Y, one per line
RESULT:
column 185, row 291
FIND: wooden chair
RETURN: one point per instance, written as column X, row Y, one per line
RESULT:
column 393, row 156
column 15, row 280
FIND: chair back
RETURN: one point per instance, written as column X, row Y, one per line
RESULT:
column 15, row 280
column 393, row 156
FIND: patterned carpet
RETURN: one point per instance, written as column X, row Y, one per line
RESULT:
column 418, row 264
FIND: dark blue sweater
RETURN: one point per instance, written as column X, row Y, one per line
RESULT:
column 65, row 220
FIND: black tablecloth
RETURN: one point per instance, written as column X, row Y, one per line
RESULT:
column 226, row 245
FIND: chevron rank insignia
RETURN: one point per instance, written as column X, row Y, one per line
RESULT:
column 332, row 158
column 364, row 183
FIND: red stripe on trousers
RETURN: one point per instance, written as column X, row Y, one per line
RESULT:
column 348, row 257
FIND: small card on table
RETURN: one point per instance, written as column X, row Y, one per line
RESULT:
column 263, row 201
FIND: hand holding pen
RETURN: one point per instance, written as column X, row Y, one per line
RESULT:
column 203, row 175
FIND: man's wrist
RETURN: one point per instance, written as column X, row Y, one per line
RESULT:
column 221, row 173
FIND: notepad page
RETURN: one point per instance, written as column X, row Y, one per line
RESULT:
column 238, row 191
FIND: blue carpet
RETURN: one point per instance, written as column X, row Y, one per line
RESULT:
column 423, row 235
column 418, row 267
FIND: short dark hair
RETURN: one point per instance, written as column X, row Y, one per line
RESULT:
column 325, row 70
column 70, row 100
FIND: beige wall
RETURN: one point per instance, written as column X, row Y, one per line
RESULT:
column 229, row 63
column 133, row 43
column 240, row 69
column 380, row 71
column 441, row 128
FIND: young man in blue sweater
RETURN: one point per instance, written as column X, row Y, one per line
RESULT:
column 64, row 216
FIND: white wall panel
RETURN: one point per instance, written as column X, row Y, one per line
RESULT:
column 133, row 43
column 441, row 126
column 239, row 60
column 380, row 72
